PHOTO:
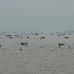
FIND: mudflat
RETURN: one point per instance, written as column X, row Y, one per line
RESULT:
column 37, row 54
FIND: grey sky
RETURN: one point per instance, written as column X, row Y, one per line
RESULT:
column 36, row 15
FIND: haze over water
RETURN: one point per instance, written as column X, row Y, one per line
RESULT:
column 36, row 15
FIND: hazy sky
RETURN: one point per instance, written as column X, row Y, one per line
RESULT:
column 36, row 15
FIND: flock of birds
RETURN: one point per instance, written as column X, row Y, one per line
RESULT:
column 27, row 35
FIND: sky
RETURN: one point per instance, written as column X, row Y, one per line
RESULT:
column 36, row 15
